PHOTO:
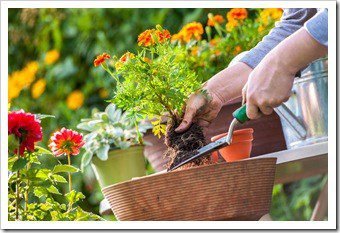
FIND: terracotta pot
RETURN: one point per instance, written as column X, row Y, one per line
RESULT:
column 239, row 190
column 240, row 147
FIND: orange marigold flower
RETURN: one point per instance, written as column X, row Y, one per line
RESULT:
column 177, row 37
column 162, row 36
column 231, row 25
column 146, row 59
column 126, row 56
column 145, row 38
column 237, row 13
column 192, row 30
column 66, row 142
column 217, row 52
column 148, row 37
column 100, row 59
column 214, row 41
column 215, row 19
column 237, row 50
column 194, row 51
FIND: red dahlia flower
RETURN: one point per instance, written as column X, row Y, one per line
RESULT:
column 66, row 142
column 26, row 128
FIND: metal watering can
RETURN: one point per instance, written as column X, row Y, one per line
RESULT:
column 304, row 117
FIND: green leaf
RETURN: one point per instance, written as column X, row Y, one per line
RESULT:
column 42, row 116
column 42, row 150
column 45, row 206
column 86, row 159
column 102, row 152
column 59, row 178
column 19, row 164
column 34, row 159
column 53, row 189
column 40, row 192
column 55, row 215
column 64, row 168
column 43, row 174
column 85, row 126
column 74, row 196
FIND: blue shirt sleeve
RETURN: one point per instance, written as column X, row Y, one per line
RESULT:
column 292, row 20
column 317, row 27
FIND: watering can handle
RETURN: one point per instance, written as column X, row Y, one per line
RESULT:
column 294, row 123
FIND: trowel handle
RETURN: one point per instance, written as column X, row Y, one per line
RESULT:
column 241, row 114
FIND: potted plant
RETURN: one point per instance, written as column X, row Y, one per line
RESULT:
column 113, row 145
column 155, row 83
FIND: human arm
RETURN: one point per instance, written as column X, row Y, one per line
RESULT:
column 203, row 107
column 271, row 81
column 291, row 21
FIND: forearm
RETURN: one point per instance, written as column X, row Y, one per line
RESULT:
column 228, row 83
column 291, row 21
column 296, row 52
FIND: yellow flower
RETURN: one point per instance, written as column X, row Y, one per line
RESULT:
column 32, row 67
column 21, row 79
column 231, row 25
column 270, row 13
column 118, row 65
column 38, row 88
column 75, row 100
column 260, row 28
column 13, row 89
column 103, row 93
column 51, row 57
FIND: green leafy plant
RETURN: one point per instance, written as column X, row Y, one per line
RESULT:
column 111, row 129
column 33, row 192
column 156, row 81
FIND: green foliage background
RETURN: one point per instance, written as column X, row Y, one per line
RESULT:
column 81, row 34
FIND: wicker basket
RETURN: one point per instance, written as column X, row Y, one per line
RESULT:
column 228, row 191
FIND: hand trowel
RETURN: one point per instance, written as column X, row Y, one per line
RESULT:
column 240, row 116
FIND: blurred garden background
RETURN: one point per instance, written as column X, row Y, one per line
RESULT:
column 51, row 53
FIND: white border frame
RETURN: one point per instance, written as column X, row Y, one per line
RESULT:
column 330, row 224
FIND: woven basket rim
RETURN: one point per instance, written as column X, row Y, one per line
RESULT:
column 192, row 169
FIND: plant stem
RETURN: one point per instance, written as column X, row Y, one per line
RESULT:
column 17, row 189
column 26, row 191
column 69, row 174
column 140, row 138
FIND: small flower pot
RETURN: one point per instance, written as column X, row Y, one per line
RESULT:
column 121, row 165
column 240, row 147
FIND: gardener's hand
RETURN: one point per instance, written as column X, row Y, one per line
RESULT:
column 268, row 86
column 270, row 83
column 226, row 85
column 202, row 107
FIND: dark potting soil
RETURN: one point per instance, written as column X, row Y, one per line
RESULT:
column 182, row 146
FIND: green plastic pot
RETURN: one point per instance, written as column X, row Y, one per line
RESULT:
column 121, row 165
